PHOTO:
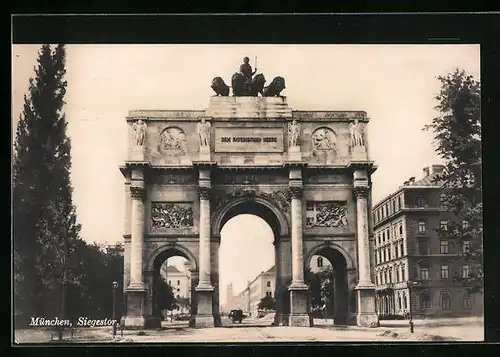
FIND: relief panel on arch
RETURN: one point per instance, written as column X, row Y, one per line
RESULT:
column 168, row 215
column 326, row 214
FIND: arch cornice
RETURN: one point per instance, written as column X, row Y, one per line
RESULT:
column 172, row 246
column 218, row 216
column 330, row 245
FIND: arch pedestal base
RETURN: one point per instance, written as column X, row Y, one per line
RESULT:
column 135, row 309
column 299, row 309
column 204, row 317
column 366, row 315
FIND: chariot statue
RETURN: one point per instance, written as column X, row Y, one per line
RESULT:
column 246, row 82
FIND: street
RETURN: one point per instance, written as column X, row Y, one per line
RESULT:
column 432, row 330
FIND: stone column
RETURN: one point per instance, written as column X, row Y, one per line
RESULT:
column 299, row 291
column 204, row 290
column 366, row 315
column 136, row 291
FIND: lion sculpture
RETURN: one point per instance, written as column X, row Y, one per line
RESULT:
column 219, row 87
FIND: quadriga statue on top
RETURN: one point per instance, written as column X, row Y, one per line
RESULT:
column 246, row 82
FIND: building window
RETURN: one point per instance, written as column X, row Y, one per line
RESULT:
column 422, row 226
column 268, row 284
column 467, row 302
column 388, row 234
column 399, row 202
column 400, row 230
column 444, row 246
column 401, row 248
column 376, row 279
column 399, row 301
column 420, row 202
column 397, row 275
column 320, row 262
column 396, row 251
column 445, row 301
column 425, row 301
column 390, row 276
column 268, row 293
column 466, row 247
column 444, row 225
column 424, row 273
column 465, row 271
column 405, row 302
column 388, row 253
column 178, row 282
column 423, row 246
column 444, row 271
column 403, row 277
column 384, row 256
column 393, row 206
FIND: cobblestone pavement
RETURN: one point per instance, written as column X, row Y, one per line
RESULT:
column 394, row 331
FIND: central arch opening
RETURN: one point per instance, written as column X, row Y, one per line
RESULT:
column 247, row 265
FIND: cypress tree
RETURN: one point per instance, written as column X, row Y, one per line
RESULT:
column 44, row 220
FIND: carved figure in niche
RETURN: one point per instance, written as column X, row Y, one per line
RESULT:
column 171, row 215
column 323, row 139
column 203, row 130
column 172, row 139
column 275, row 88
column 356, row 129
column 327, row 214
column 219, row 87
column 293, row 133
column 139, row 132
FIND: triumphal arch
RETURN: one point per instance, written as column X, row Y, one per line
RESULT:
column 306, row 173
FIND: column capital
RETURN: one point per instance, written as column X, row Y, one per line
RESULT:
column 296, row 191
column 361, row 191
column 204, row 192
column 137, row 192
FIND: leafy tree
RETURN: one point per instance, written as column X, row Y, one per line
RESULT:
column 267, row 302
column 183, row 303
column 321, row 287
column 165, row 296
column 45, row 229
column 457, row 137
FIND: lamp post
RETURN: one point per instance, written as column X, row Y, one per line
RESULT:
column 115, row 286
column 410, row 284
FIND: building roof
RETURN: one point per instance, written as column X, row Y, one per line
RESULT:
column 172, row 269
column 426, row 182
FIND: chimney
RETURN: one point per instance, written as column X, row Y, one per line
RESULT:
column 437, row 169
column 426, row 171
column 411, row 180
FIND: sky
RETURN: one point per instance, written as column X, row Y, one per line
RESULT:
column 394, row 84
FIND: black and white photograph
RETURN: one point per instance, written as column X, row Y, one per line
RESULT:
column 194, row 193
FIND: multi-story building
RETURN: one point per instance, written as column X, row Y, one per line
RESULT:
column 263, row 285
column 179, row 281
column 412, row 257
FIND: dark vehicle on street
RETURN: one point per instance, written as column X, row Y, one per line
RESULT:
column 236, row 315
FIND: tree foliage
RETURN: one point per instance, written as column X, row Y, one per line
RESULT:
column 321, row 287
column 457, row 135
column 45, row 229
column 267, row 303
column 165, row 299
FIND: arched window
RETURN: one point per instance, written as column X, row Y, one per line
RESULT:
column 445, row 301
column 425, row 301
column 178, row 282
column 268, row 284
column 320, row 262
column 399, row 301
column 405, row 302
